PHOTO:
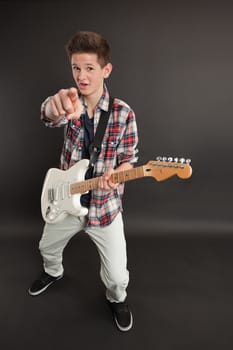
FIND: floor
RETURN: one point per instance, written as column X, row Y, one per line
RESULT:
column 180, row 292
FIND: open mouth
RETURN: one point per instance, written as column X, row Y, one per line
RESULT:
column 83, row 85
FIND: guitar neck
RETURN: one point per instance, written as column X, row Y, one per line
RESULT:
column 117, row 177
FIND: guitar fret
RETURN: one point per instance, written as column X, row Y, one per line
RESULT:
column 127, row 175
column 91, row 184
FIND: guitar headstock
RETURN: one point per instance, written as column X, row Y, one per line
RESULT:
column 165, row 167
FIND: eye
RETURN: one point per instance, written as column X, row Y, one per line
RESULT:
column 89, row 69
column 75, row 68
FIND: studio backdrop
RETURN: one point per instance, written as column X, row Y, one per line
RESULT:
column 172, row 63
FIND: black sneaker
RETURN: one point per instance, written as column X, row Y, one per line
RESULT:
column 122, row 316
column 42, row 283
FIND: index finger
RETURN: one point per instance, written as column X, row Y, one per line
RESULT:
column 73, row 94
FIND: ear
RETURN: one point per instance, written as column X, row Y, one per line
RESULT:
column 107, row 70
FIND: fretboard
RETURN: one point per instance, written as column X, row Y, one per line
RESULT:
column 117, row 177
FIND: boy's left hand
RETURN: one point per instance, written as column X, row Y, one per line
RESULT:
column 105, row 182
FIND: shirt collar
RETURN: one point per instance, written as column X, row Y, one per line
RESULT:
column 104, row 100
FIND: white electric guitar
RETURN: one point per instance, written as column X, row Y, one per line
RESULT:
column 62, row 189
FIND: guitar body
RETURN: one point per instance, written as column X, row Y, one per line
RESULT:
column 56, row 199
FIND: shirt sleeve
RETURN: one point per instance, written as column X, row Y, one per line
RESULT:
column 127, row 149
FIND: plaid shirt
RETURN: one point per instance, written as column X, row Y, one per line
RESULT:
column 118, row 146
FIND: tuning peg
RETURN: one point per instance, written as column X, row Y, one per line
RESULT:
column 182, row 160
column 159, row 158
column 164, row 159
column 176, row 159
column 188, row 161
column 170, row 159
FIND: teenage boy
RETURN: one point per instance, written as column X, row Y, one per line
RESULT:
column 79, row 108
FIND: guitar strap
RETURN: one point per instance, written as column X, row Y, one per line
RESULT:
column 95, row 146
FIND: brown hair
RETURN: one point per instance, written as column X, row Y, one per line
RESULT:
column 89, row 42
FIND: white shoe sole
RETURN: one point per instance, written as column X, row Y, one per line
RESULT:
column 43, row 289
column 125, row 329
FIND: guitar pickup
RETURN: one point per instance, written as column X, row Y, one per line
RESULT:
column 51, row 195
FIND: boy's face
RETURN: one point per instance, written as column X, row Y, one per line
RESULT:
column 88, row 73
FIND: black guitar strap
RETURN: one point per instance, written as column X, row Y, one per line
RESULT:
column 95, row 146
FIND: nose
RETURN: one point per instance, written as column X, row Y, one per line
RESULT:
column 81, row 75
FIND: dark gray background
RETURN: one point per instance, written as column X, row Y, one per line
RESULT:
column 172, row 63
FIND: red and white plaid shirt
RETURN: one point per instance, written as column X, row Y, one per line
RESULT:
column 119, row 145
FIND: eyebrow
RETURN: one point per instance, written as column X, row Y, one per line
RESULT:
column 86, row 64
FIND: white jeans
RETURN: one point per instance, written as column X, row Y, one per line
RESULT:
column 110, row 242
